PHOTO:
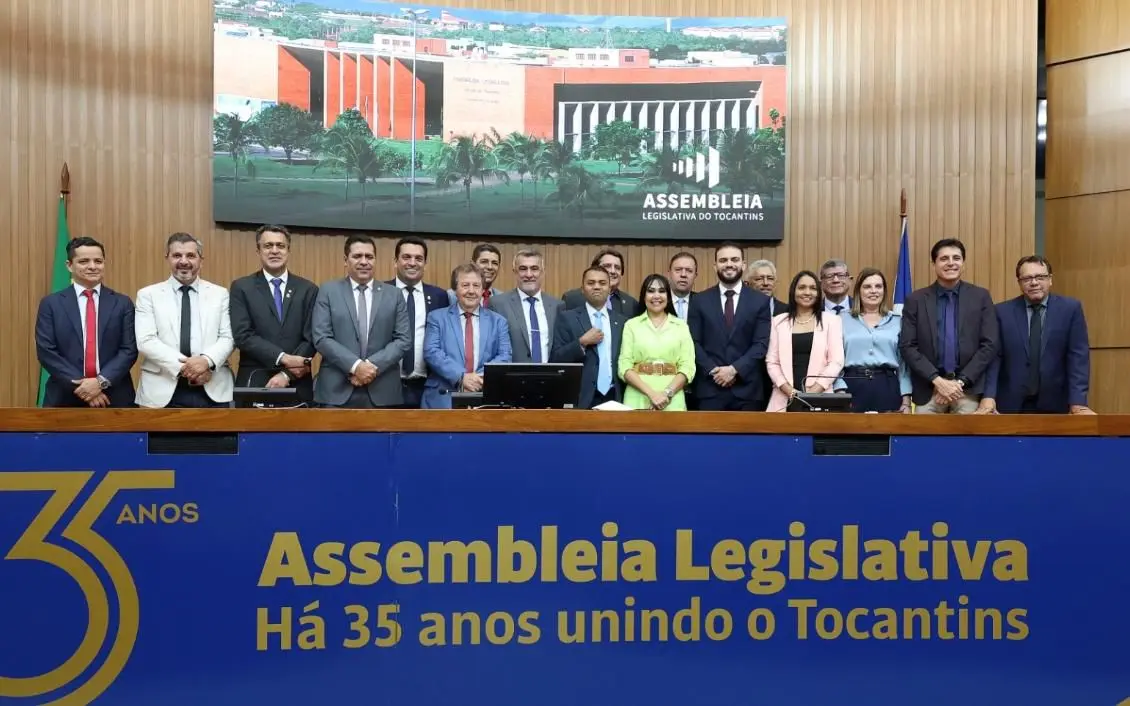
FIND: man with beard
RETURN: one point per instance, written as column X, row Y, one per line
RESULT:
column 361, row 329
column 730, row 327
column 613, row 263
column 592, row 336
column 420, row 299
column 184, row 334
column 531, row 314
column 270, row 319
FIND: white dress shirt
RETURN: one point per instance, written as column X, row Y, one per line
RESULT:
column 421, row 318
column 79, row 289
column 353, row 285
column 543, row 322
column 197, row 332
column 831, row 306
column 737, row 289
column 682, row 305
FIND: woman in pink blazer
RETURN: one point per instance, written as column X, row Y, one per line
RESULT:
column 806, row 344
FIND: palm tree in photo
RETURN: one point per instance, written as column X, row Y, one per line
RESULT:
column 356, row 155
column 743, row 168
column 234, row 136
column 464, row 159
column 659, row 171
column 577, row 187
column 519, row 153
column 553, row 159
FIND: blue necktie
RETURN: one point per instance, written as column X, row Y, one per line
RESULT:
column 604, row 370
column 949, row 327
column 535, row 331
column 278, row 296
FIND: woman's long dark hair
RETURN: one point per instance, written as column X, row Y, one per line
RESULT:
column 647, row 281
column 818, row 305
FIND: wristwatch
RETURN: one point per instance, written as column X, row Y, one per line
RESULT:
column 103, row 382
column 669, row 392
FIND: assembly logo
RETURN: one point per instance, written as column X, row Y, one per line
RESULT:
column 703, row 170
column 67, row 683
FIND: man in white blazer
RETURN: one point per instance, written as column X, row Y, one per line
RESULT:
column 184, row 334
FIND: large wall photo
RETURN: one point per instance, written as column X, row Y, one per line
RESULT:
column 366, row 115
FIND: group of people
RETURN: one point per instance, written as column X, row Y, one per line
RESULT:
column 405, row 343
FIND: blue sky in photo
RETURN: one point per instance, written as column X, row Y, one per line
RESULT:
column 549, row 20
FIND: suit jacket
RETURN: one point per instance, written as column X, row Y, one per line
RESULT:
column 434, row 298
column 445, row 353
column 261, row 337
column 621, row 302
column 825, row 363
column 511, row 305
column 157, row 323
column 337, row 337
column 743, row 347
column 59, row 347
column 571, row 325
column 978, row 335
column 1065, row 357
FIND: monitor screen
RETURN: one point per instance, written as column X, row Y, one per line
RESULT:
column 820, row 402
column 266, row 397
column 532, row 385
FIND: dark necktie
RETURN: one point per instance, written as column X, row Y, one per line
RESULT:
column 535, row 331
column 277, row 282
column 949, row 328
column 838, row 309
column 1035, row 339
column 728, row 312
column 185, row 322
column 486, row 298
column 409, row 362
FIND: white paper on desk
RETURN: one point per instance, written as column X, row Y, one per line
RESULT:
column 614, row 406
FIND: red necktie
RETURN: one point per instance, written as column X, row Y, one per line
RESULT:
column 90, row 358
column 469, row 342
column 486, row 297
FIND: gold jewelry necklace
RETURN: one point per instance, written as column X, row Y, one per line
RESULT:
column 805, row 321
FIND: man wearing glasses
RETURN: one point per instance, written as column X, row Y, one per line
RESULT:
column 1043, row 366
column 835, row 280
column 763, row 278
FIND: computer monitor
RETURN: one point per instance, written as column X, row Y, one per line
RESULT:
column 466, row 400
column 820, row 402
column 532, row 385
column 266, row 397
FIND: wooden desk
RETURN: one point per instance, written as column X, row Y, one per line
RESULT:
column 560, row 421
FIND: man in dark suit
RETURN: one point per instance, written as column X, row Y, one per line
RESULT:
column 949, row 336
column 531, row 313
column 360, row 327
column 420, row 299
column 592, row 335
column 84, row 336
column 730, row 327
column 271, row 312
column 1044, row 362
column 682, row 271
column 613, row 263
column 763, row 277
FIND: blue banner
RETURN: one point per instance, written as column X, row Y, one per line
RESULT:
column 517, row 569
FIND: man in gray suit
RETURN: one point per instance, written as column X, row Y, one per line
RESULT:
column 530, row 313
column 360, row 362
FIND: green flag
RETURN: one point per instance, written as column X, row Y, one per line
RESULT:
column 60, row 276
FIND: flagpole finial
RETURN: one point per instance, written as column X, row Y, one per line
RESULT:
column 902, row 204
column 65, row 180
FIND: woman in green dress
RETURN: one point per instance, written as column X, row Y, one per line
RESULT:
column 656, row 352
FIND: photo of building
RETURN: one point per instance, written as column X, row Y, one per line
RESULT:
column 543, row 121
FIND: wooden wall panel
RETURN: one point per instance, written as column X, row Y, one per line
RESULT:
column 1088, row 149
column 1080, row 28
column 931, row 96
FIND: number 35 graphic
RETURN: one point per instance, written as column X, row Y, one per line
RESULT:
column 34, row 545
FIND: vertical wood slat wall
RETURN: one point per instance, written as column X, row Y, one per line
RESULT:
column 1087, row 227
column 934, row 96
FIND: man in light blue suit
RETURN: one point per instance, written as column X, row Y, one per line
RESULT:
column 461, row 339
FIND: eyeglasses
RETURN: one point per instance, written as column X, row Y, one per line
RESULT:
column 764, row 278
column 1033, row 278
column 835, row 276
